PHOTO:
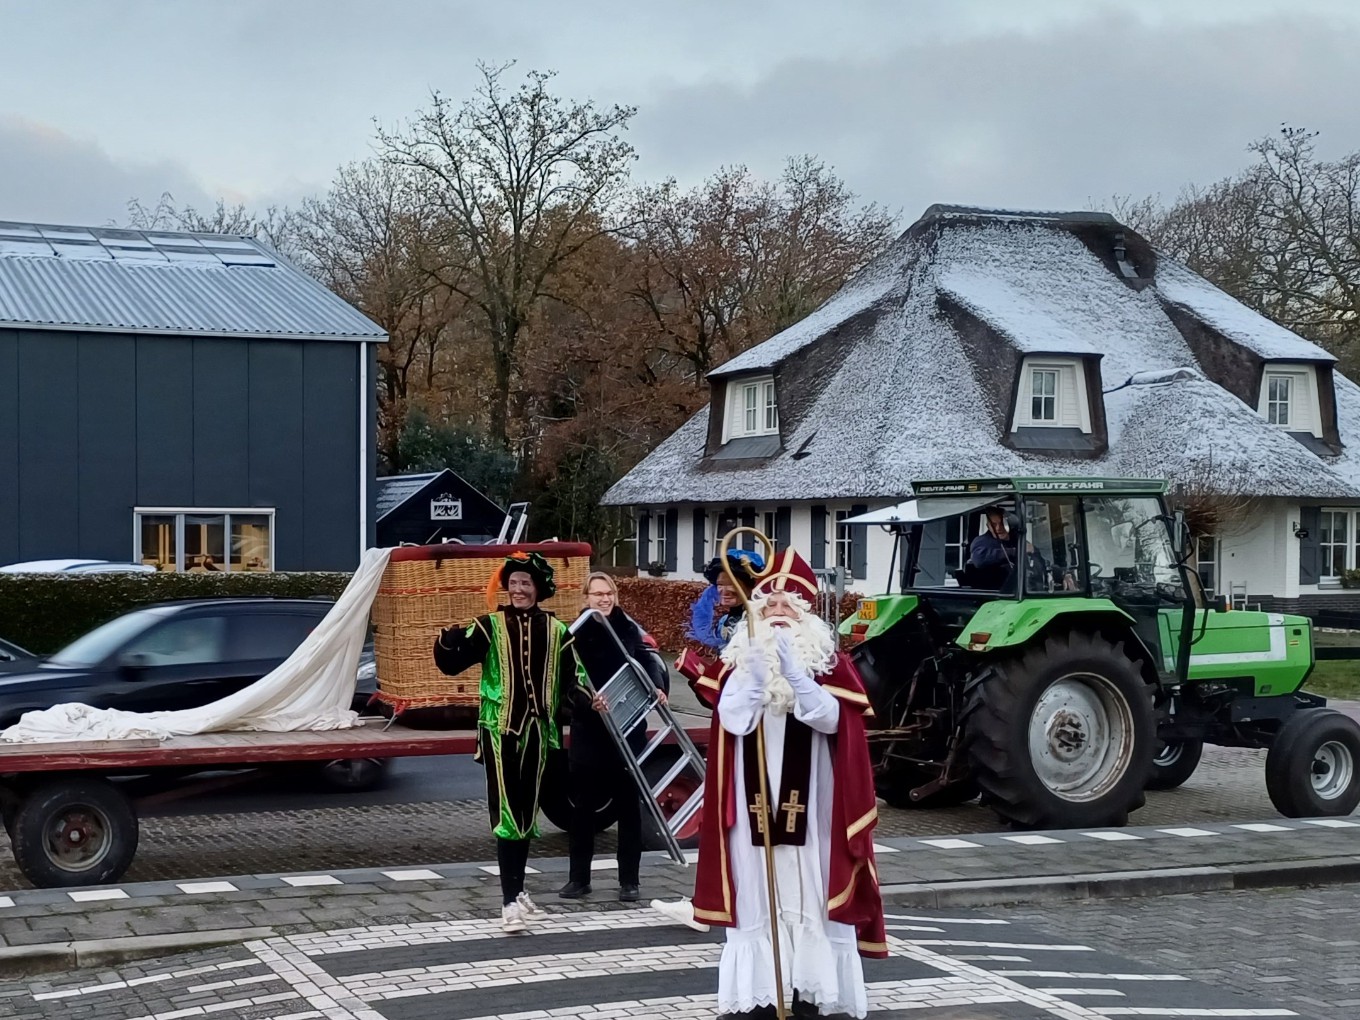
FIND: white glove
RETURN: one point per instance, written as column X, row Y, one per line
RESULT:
column 755, row 664
column 790, row 665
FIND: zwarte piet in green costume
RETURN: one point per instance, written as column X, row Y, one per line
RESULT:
column 527, row 666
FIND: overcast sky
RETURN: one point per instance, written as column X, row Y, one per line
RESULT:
column 1023, row 103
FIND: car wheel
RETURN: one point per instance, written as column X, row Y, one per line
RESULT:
column 355, row 775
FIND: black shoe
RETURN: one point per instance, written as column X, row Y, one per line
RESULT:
column 628, row 893
column 574, row 890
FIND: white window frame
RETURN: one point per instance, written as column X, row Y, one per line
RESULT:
column 1071, row 371
column 1041, row 395
column 1303, row 409
column 657, row 554
column 961, row 547
column 180, row 512
column 1211, row 562
column 844, row 544
column 752, row 408
column 1349, row 543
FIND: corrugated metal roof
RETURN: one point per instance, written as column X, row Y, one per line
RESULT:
column 109, row 279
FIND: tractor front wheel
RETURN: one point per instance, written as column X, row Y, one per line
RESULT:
column 1175, row 763
column 1062, row 735
column 1313, row 766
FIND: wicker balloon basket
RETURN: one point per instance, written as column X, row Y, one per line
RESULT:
column 427, row 588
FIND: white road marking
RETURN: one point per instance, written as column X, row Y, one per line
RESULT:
column 195, row 888
column 302, row 881
column 1032, row 840
column 951, row 844
column 95, row 895
column 416, row 875
column 1189, row 832
column 1112, row 837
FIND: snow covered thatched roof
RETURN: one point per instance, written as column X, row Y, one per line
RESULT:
column 907, row 373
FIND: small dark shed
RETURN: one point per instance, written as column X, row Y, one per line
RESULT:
column 431, row 508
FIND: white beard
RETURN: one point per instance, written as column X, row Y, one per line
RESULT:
column 814, row 646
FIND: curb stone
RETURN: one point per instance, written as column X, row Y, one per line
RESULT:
column 72, row 955
column 25, row 961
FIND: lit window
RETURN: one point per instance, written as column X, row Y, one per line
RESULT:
column 205, row 541
column 1044, row 395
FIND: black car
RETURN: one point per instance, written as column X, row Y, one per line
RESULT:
column 171, row 656
column 11, row 654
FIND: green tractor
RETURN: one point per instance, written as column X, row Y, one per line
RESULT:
column 1074, row 661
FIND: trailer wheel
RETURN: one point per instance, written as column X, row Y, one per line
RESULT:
column 1062, row 735
column 672, row 798
column 1175, row 763
column 1313, row 766
column 74, row 832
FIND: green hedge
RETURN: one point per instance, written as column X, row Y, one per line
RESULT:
column 44, row 612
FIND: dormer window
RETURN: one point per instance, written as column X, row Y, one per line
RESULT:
column 1052, row 395
column 1043, row 399
column 1289, row 398
column 751, row 409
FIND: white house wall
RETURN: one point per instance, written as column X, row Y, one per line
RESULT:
column 878, row 552
column 1256, row 555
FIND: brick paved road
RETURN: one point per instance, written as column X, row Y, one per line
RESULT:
column 1299, row 946
column 1229, row 786
column 625, row 963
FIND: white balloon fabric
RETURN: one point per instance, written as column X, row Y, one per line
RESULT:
column 311, row 690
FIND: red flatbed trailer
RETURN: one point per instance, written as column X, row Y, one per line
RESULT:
column 69, row 825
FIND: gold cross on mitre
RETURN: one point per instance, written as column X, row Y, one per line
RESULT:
column 793, row 809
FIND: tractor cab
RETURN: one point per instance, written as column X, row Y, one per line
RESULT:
column 1047, row 544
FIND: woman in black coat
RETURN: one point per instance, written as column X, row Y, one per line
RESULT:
column 598, row 772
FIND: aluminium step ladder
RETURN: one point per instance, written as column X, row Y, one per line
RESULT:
column 633, row 699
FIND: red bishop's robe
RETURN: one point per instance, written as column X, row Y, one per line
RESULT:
column 853, row 893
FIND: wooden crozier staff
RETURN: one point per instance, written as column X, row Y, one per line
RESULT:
column 762, row 805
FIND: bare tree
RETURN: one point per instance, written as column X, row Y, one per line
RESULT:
column 274, row 225
column 523, row 181
column 1282, row 236
column 1219, row 499
column 735, row 260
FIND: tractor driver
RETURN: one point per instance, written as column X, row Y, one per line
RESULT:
column 991, row 557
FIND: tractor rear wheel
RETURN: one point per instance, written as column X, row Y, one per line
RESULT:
column 1062, row 735
column 1175, row 763
column 1313, row 766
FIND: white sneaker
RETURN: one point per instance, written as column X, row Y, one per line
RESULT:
column 681, row 913
column 512, row 919
column 528, row 906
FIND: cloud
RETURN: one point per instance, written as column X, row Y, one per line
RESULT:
column 48, row 176
column 1049, row 120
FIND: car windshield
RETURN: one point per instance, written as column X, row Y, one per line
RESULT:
column 100, row 643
